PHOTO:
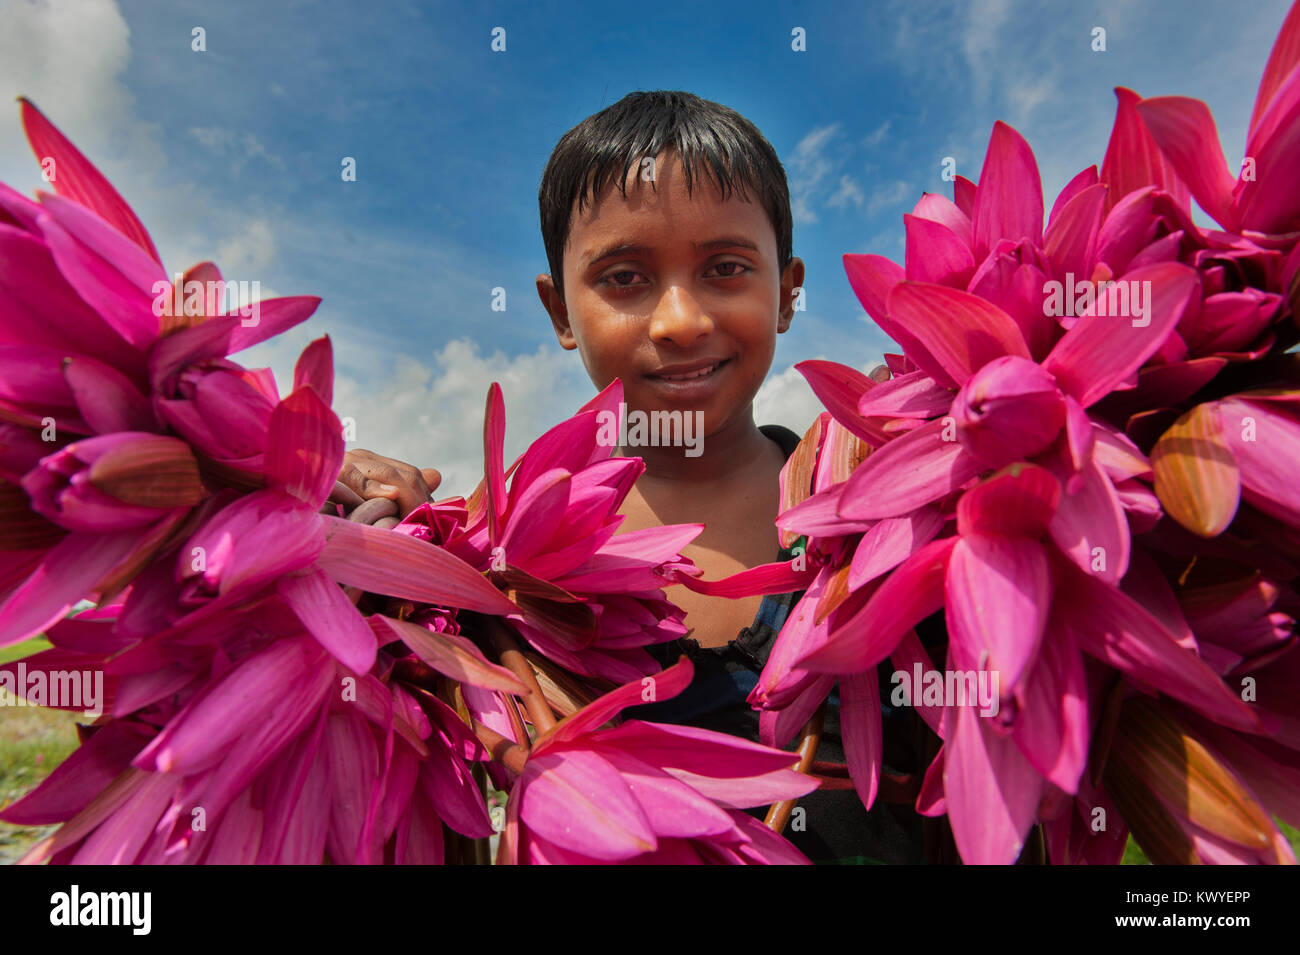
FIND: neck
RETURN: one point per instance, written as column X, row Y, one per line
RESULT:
column 722, row 453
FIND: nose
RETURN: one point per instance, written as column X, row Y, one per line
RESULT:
column 678, row 318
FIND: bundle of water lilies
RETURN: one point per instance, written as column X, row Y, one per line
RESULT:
column 1086, row 458
column 1080, row 472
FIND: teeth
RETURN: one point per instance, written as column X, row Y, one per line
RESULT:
column 692, row 374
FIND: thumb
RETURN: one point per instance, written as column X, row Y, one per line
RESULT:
column 432, row 478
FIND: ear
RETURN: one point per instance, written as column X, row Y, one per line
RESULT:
column 555, row 307
column 791, row 280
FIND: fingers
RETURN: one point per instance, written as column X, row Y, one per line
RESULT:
column 369, row 475
column 432, row 478
column 342, row 494
column 372, row 510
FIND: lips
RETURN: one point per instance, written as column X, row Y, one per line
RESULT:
column 690, row 371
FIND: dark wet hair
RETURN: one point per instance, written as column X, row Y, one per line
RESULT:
column 708, row 137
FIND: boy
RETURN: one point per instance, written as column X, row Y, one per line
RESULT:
column 667, row 225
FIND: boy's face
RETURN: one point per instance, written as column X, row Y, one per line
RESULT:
column 678, row 295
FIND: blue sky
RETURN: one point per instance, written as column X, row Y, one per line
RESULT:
column 233, row 154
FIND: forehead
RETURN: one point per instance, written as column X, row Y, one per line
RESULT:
column 664, row 213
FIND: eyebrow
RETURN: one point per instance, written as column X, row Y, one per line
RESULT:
column 622, row 247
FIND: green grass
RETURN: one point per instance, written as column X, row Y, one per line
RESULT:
column 33, row 741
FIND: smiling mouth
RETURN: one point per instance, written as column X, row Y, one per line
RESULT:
column 702, row 372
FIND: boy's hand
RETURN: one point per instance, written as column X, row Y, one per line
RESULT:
column 366, row 475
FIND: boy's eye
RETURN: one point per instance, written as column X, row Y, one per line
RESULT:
column 614, row 276
column 624, row 277
column 740, row 268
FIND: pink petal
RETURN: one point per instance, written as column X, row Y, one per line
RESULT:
column 673, row 809
column 536, row 517
column 315, row 368
column 818, row 516
column 914, row 395
column 1009, row 198
column 661, row 686
column 1282, row 60
column 78, row 179
column 777, row 727
column 944, row 211
column 776, row 578
column 1091, row 528
column 1185, row 132
column 991, row 791
column 331, row 618
column 382, row 562
column 908, row 472
column 1266, row 444
column 1099, row 353
column 218, row 337
column 106, row 269
column 935, row 254
column 840, row 388
column 558, row 789
column 494, row 431
column 448, row 653
column 38, row 307
column 202, row 732
column 354, row 767
column 765, row 846
column 871, row 278
column 733, row 776
column 1111, row 626
column 891, row 541
column 1071, row 240
column 106, row 398
column 960, row 332
column 1018, row 501
column 67, row 573
column 1082, row 180
column 997, row 593
column 304, row 447
column 1052, row 728
column 1133, row 160
column 861, row 729
column 909, row 595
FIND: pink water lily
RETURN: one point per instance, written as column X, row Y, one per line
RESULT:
column 1262, row 198
column 588, row 597
column 644, row 793
column 1046, row 577
column 999, row 580
column 278, row 759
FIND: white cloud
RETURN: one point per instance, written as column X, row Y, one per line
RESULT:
column 249, row 253
column 848, row 193
column 888, row 195
column 806, row 167
column 982, row 39
column 68, row 58
column 877, row 135
column 240, row 147
column 786, row 399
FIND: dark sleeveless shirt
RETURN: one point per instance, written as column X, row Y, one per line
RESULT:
column 835, row 828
